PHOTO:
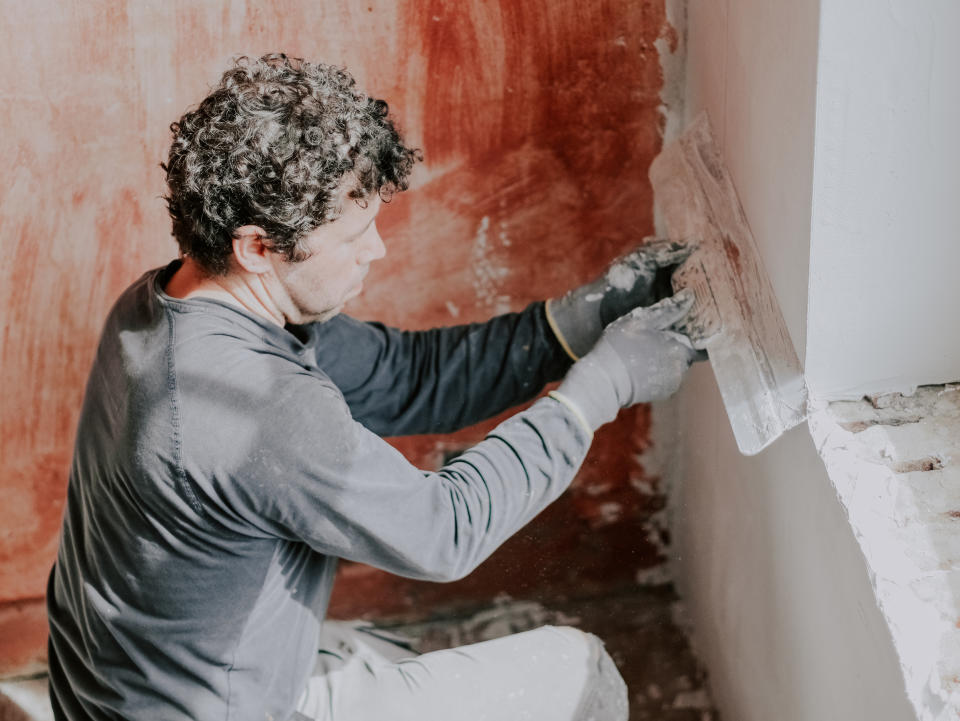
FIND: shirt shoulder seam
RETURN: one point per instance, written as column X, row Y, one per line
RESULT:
column 183, row 483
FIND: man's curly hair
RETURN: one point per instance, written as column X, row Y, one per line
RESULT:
column 274, row 145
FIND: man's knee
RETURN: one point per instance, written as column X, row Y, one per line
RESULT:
column 604, row 695
column 589, row 644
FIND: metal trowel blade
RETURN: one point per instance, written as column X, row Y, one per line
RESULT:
column 735, row 317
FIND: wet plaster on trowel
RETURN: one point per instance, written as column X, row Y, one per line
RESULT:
column 895, row 463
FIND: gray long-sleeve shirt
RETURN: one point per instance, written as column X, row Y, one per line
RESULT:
column 223, row 464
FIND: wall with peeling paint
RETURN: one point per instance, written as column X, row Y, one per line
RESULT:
column 782, row 608
column 538, row 121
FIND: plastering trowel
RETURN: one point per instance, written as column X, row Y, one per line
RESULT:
column 735, row 318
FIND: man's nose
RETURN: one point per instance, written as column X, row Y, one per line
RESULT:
column 373, row 248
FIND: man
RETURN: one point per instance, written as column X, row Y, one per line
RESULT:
column 228, row 451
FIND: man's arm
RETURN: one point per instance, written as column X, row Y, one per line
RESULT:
column 436, row 381
column 318, row 476
column 321, row 478
column 403, row 383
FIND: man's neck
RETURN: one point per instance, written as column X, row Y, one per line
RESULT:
column 190, row 281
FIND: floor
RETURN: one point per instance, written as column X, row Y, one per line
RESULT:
column 641, row 630
column 25, row 700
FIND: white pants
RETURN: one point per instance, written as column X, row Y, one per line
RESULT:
column 548, row 674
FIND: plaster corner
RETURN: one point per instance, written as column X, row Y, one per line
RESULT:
column 894, row 461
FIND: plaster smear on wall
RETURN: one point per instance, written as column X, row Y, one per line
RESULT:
column 671, row 47
column 895, row 463
column 488, row 275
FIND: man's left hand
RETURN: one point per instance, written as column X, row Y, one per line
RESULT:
column 638, row 279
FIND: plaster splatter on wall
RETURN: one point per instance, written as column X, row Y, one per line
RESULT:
column 488, row 276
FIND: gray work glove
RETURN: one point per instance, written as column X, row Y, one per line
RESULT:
column 637, row 359
column 638, row 279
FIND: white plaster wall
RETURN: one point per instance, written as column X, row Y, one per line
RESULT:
column 775, row 584
column 773, row 581
column 886, row 218
column 751, row 64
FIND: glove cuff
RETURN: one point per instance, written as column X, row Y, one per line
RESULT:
column 561, row 339
column 597, row 386
column 575, row 320
column 573, row 408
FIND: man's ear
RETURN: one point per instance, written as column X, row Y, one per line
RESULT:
column 250, row 249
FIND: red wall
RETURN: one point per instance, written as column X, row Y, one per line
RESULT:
column 538, row 120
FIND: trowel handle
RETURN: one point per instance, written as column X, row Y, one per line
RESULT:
column 703, row 323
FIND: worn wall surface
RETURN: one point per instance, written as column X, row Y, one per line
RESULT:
column 777, row 589
column 537, row 120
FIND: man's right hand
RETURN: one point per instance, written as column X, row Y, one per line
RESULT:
column 637, row 359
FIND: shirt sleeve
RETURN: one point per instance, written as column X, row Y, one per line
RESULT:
column 436, row 381
column 326, row 480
